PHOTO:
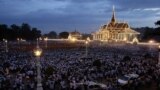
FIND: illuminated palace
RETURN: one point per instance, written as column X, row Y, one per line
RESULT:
column 116, row 31
column 75, row 35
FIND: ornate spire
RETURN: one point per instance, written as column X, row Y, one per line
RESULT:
column 75, row 30
column 113, row 20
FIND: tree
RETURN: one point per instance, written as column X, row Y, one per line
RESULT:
column 13, row 32
column 51, row 34
column 26, row 29
column 85, row 36
column 3, row 31
column 157, row 23
column 63, row 35
column 148, row 32
column 35, row 33
column 158, row 28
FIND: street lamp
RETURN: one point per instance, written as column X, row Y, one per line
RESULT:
column 151, row 41
column 150, row 44
column 18, row 42
column 38, row 53
column 17, row 39
column 40, row 38
column 6, row 45
column 159, row 55
column 86, row 43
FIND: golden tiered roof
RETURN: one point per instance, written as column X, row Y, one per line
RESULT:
column 118, row 25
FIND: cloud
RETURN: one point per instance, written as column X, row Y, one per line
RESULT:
column 133, row 4
column 152, row 9
column 85, row 15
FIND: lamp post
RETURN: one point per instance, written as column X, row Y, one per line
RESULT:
column 18, row 42
column 6, row 45
column 37, row 53
column 40, row 38
column 86, row 43
column 159, row 55
column 150, row 45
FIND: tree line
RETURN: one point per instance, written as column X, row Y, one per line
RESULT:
column 25, row 31
column 148, row 33
column 12, row 32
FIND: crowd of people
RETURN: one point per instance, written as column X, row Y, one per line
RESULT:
column 71, row 69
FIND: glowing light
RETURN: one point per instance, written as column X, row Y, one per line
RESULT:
column 88, row 39
column 5, row 40
column 37, row 52
column 73, row 39
column 135, row 40
column 151, row 41
column 86, row 42
column 46, row 39
column 101, row 40
column 40, row 38
column 125, row 39
column 158, row 46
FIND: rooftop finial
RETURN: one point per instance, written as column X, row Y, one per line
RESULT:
column 113, row 20
column 75, row 30
column 113, row 7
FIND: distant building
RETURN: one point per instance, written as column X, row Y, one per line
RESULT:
column 75, row 35
column 115, row 31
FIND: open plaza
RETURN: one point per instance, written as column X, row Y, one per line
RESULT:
column 79, row 65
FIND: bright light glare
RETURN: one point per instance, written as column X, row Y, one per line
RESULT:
column 151, row 41
column 46, row 39
column 40, row 38
column 6, row 41
column 88, row 39
column 135, row 40
column 125, row 39
column 86, row 42
column 37, row 52
column 73, row 39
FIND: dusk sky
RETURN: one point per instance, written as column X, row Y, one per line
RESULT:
column 84, row 15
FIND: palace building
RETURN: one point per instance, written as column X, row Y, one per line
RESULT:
column 115, row 31
column 75, row 35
